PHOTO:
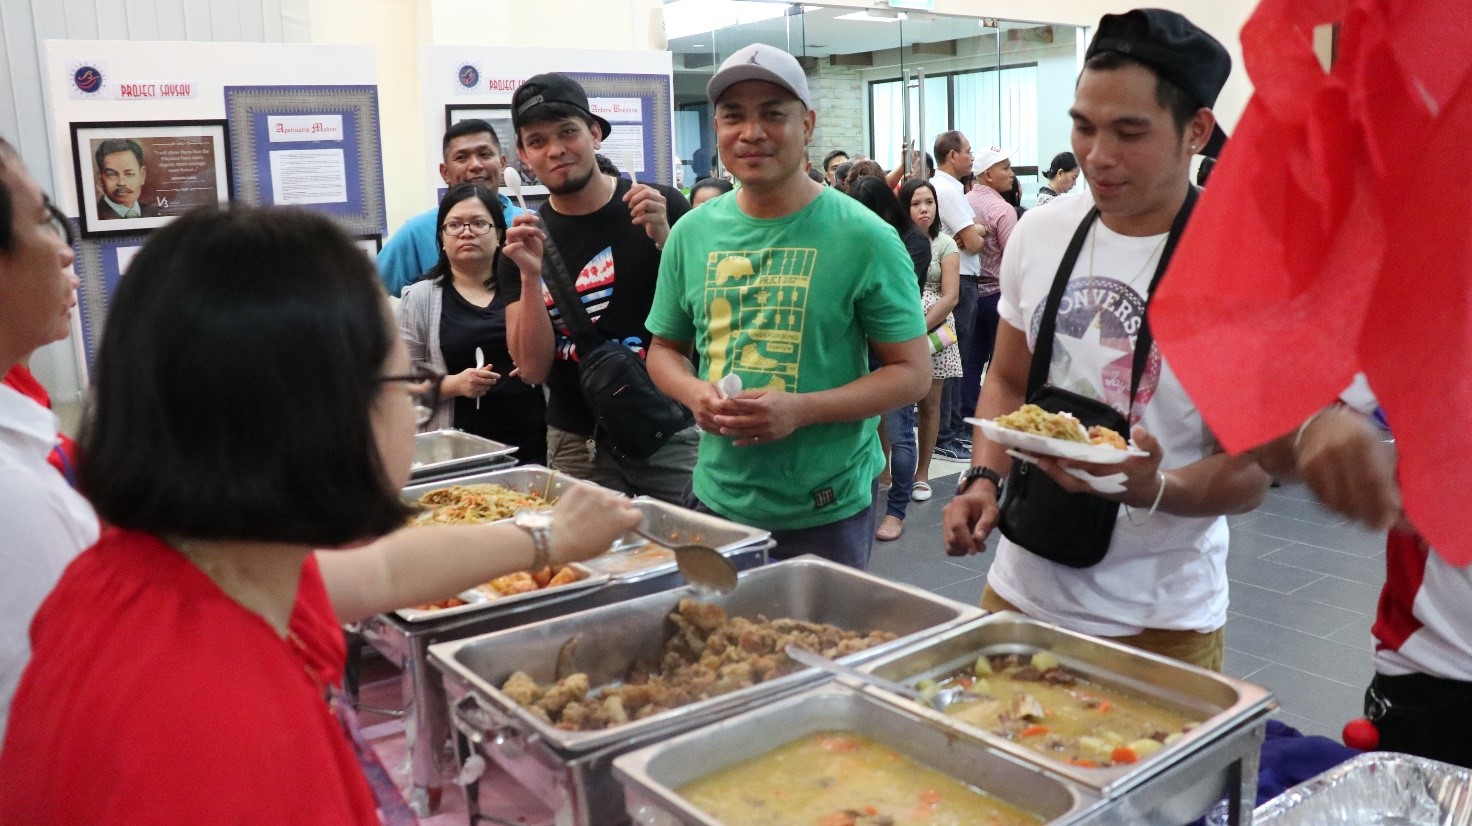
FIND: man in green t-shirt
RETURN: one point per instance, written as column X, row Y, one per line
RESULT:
column 790, row 286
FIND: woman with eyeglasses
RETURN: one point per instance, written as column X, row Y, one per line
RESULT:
column 251, row 427
column 453, row 314
column 44, row 524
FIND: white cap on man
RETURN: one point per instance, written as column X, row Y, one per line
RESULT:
column 984, row 159
column 760, row 62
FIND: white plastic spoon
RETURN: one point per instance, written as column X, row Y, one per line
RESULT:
column 480, row 361
column 513, row 183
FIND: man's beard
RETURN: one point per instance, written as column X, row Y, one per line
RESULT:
column 572, row 185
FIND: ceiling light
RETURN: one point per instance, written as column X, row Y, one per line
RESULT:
column 871, row 17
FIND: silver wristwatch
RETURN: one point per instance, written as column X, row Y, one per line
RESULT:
column 538, row 525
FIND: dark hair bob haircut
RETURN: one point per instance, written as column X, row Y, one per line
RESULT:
column 464, row 192
column 235, row 383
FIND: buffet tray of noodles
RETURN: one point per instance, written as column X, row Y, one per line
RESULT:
column 442, row 452
column 832, row 755
column 521, row 586
column 1168, row 738
column 493, row 496
column 599, row 677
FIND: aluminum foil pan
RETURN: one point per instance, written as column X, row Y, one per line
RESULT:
column 1376, row 788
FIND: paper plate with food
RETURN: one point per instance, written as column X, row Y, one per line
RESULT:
column 1032, row 429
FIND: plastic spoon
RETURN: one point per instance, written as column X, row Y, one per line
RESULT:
column 480, row 361
column 513, row 182
column 701, row 565
column 729, row 386
column 938, row 701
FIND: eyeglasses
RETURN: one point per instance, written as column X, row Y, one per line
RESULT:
column 479, row 226
column 424, row 390
column 59, row 223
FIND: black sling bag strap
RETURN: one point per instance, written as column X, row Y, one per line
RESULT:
column 633, row 417
column 1074, row 529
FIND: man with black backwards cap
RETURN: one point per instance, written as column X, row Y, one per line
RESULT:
column 1140, row 112
column 786, row 285
column 472, row 153
column 609, row 231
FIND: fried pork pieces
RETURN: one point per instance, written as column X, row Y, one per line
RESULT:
column 708, row 655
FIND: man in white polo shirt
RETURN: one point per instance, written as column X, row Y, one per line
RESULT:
column 953, row 160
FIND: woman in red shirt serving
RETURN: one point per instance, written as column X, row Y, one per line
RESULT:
column 253, row 404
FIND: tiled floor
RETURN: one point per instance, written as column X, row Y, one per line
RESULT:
column 1304, row 584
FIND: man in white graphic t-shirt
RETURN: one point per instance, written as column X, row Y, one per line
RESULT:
column 1141, row 111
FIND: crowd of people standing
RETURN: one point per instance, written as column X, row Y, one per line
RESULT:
column 780, row 349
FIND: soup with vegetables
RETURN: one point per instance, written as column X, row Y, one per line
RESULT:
column 1037, row 702
column 841, row 779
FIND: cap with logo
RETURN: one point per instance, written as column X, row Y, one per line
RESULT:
column 984, row 159
column 760, row 62
column 1177, row 49
column 541, row 90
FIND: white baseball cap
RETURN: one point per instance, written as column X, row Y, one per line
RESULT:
column 984, row 159
column 760, row 62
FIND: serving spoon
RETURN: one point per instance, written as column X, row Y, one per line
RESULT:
column 938, row 701
column 702, row 566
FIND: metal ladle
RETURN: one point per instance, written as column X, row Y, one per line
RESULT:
column 938, row 701
column 701, row 565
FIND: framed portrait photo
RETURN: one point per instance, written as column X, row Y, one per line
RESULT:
column 138, row 175
column 499, row 117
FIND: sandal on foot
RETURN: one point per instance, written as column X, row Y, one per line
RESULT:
column 921, row 492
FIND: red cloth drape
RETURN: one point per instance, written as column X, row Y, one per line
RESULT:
column 1334, row 237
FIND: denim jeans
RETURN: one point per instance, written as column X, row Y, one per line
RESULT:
column 848, row 541
column 952, row 400
column 899, row 426
column 974, row 362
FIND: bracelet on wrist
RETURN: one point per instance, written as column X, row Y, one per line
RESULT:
column 1154, row 506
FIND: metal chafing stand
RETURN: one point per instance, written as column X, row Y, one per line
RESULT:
column 572, row 771
column 406, row 644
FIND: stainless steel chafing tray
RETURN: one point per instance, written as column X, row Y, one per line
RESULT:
column 1178, row 784
column 1376, row 788
column 572, row 771
column 526, row 478
column 651, row 775
column 613, row 638
column 630, row 560
column 439, row 452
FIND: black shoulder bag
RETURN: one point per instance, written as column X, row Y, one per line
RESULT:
column 1074, row 529
column 634, row 418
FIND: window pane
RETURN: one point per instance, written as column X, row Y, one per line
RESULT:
column 884, row 120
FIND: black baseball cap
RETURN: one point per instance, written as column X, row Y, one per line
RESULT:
column 1177, row 49
column 550, row 88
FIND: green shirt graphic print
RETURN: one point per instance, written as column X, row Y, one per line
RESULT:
column 787, row 304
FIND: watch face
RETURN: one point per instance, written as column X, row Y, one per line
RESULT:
column 534, row 520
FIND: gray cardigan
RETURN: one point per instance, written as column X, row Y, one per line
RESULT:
column 420, row 306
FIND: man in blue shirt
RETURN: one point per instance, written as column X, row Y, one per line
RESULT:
column 472, row 152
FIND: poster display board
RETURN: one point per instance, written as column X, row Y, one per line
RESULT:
column 632, row 90
column 140, row 134
column 316, row 147
column 105, row 258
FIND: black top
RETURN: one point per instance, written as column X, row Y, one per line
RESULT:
column 616, row 267
column 512, row 411
column 917, row 244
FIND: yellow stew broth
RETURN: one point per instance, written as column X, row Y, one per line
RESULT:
column 1038, row 703
column 843, row 779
